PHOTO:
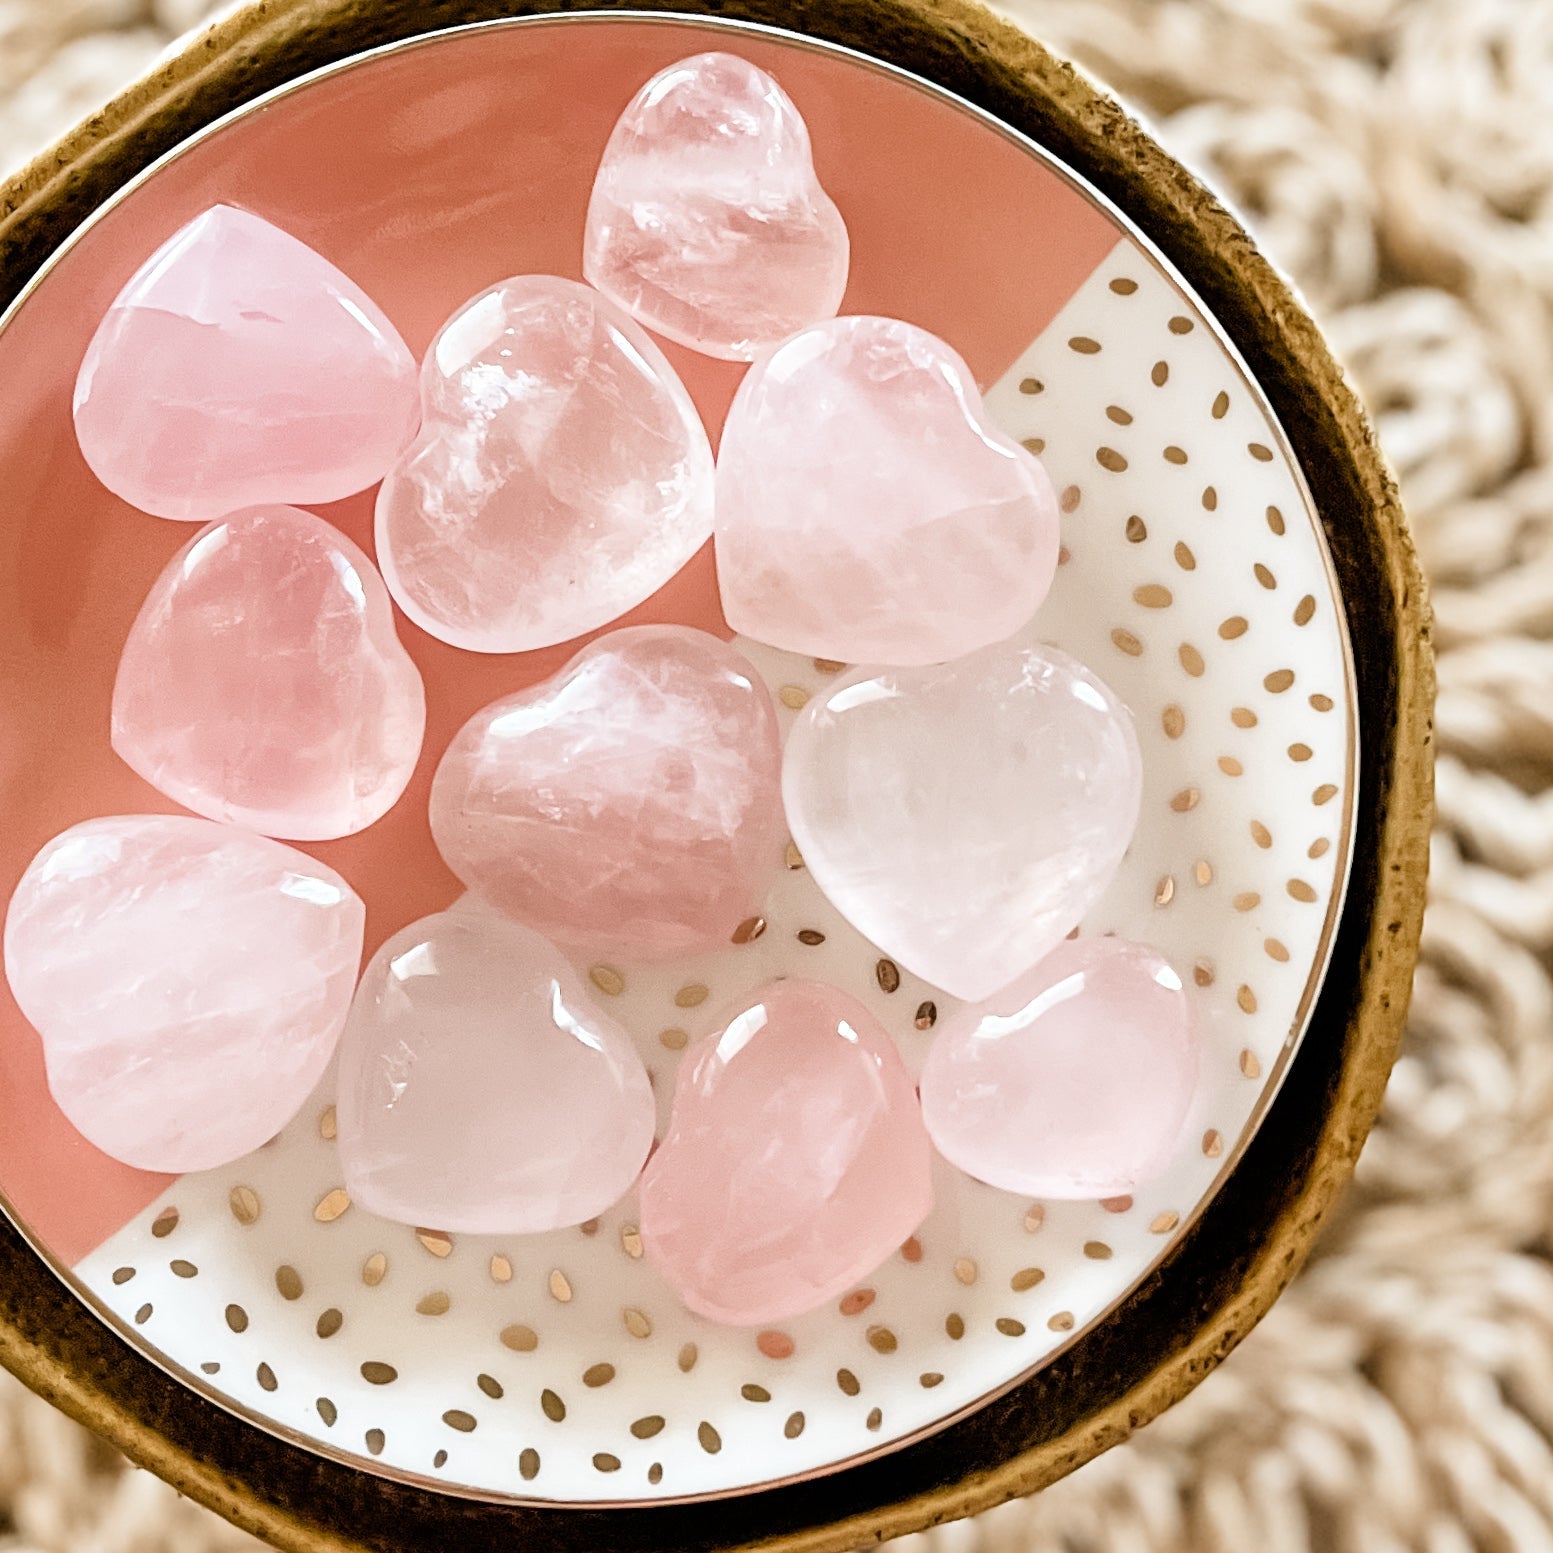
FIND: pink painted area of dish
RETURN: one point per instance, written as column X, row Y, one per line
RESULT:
column 448, row 168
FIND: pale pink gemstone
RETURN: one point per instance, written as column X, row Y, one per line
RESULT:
column 867, row 509
column 189, row 981
column 238, row 367
column 795, row 1163
column 707, row 220
column 629, row 805
column 1072, row 1082
column 965, row 817
column 480, row 1088
column 263, row 683
column 561, row 476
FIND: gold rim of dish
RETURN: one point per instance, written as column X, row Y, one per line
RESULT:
column 59, row 1348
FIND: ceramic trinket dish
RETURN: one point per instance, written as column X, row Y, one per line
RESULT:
column 450, row 1382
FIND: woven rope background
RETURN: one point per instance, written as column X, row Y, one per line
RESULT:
column 1396, row 156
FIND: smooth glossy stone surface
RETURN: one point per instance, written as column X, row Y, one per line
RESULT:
column 189, row 981
column 867, row 510
column 561, row 475
column 965, row 817
column 795, row 1163
column 1072, row 1082
column 481, row 1090
column 630, row 805
column 263, row 682
column 237, row 367
column 707, row 220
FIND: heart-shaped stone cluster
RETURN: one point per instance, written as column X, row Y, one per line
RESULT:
column 962, row 800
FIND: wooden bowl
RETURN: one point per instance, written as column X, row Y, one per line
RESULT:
column 1218, row 1270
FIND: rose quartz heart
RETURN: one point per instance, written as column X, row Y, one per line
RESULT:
column 480, row 1088
column 189, row 981
column 561, row 476
column 795, row 1163
column 630, row 805
column 263, row 684
column 964, row 817
column 1072, row 1082
column 237, row 367
column 707, row 221
column 867, row 510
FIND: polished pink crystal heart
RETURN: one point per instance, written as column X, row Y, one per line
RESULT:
column 189, row 982
column 868, row 511
column 480, row 1088
column 1072, row 1082
column 263, row 683
column 795, row 1163
column 707, row 220
column 561, row 476
column 965, row 816
column 238, row 367
column 629, row 805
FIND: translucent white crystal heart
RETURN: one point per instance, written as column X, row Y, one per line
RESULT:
column 707, row 220
column 263, row 682
column 480, row 1088
column 189, row 981
column 796, row 1160
column 965, row 816
column 1071, row 1082
column 629, row 805
column 238, row 366
column 561, row 476
column 867, row 510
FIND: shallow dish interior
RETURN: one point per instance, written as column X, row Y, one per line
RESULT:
column 1195, row 581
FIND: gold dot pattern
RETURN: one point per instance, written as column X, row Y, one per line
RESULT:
column 607, row 979
column 1217, row 629
column 332, row 1205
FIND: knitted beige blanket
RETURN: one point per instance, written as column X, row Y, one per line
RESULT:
column 1396, row 156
